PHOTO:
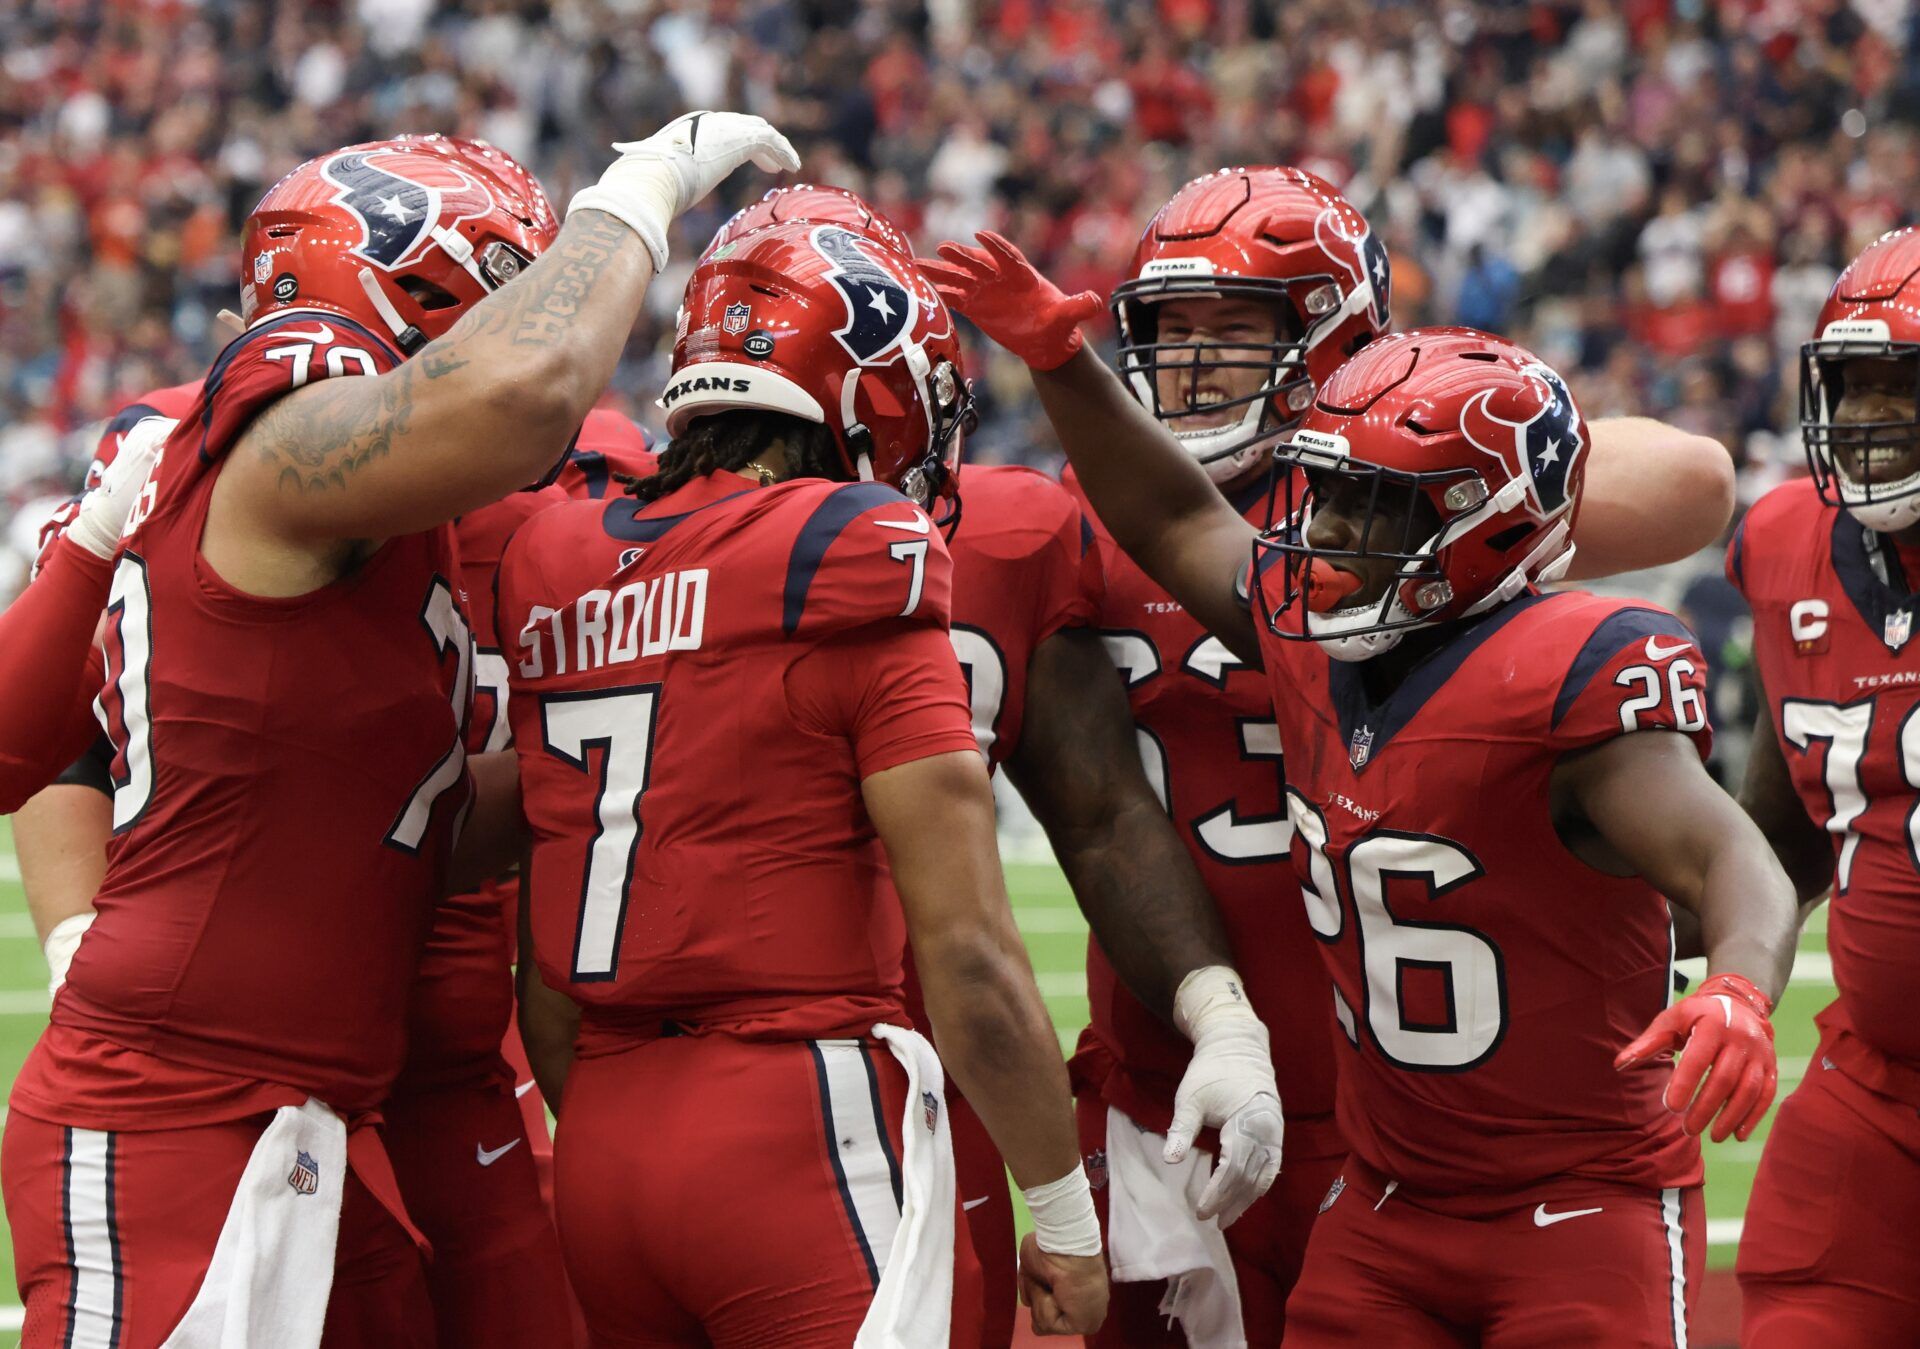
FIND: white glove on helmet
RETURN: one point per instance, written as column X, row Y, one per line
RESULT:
column 654, row 180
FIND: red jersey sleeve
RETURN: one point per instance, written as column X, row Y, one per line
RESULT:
column 865, row 554
column 281, row 354
column 45, row 688
column 1638, row 669
column 1068, row 573
column 893, row 690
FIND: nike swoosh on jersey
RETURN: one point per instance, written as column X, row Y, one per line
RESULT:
column 323, row 334
column 1658, row 652
column 913, row 526
column 1542, row 1218
column 969, row 1205
column 485, row 1158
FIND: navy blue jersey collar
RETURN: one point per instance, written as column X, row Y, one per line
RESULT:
column 1377, row 724
column 1875, row 599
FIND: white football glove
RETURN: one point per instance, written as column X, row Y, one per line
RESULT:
column 656, row 179
column 1228, row 1085
column 103, row 512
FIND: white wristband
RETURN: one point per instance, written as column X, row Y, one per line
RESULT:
column 60, row 945
column 1064, row 1222
column 1208, row 995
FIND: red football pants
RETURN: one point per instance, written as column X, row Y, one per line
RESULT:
column 1267, row 1242
column 1525, row 1269
column 716, row 1192
column 989, row 1208
column 1828, row 1256
column 113, row 1232
column 467, row 1174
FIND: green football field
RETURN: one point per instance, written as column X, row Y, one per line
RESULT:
column 1056, row 936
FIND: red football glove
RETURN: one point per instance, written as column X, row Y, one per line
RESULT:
column 1722, row 1026
column 1010, row 301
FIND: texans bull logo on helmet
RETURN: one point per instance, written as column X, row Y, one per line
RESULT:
column 881, row 309
column 1541, row 450
column 1361, row 256
column 398, row 212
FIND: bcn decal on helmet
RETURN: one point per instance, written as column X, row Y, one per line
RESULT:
column 399, row 213
column 881, row 311
column 1362, row 257
column 1540, row 451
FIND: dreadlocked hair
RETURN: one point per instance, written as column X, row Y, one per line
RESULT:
column 726, row 441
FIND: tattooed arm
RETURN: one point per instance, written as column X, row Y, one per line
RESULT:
column 332, row 468
column 477, row 414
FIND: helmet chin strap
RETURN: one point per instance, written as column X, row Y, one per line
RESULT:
column 405, row 334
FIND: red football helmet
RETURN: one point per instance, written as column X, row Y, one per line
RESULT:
column 822, row 205
column 821, row 323
column 1468, row 454
column 1276, row 235
column 1872, row 314
column 400, row 235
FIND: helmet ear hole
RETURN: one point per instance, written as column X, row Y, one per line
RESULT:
column 428, row 295
column 1506, row 538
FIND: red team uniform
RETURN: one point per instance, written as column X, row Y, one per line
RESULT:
column 1476, row 1040
column 1207, row 735
column 743, row 657
column 266, row 896
column 1025, row 566
column 465, row 1102
column 1828, row 1247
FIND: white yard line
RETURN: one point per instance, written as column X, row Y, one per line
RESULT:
column 24, row 1002
column 9, row 871
column 17, row 927
column 1049, row 919
column 1062, row 983
column 1724, row 1231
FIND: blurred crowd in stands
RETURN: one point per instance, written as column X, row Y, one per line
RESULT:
column 1654, row 194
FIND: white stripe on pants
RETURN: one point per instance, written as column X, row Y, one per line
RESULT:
column 862, row 1152
column 93, row 1243
column 1676, row 1263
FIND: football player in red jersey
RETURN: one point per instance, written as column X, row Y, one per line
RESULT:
column 740, row 727
column 1829, row 567
column 288, row 667
column 1248, row 289
column 1441, row 475
column 1027, row 585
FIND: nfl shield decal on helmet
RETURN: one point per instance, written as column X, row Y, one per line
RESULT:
column 1361, row 256
column 305, row 1176
column 1541, row 450
column 398, row 212
column 736, row 318
column 880, row 308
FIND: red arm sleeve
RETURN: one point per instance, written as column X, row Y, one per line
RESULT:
column 45, row 694
column 893, row 690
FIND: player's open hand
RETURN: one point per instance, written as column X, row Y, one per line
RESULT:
column 1064, row 1294
column 1010, row 301
column 1723, row 1036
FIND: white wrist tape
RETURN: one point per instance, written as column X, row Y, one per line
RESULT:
column 1064, row 1222
column 1207, row 997
column 642, row 193
column 60, row 945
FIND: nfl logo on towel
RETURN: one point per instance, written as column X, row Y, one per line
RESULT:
column 305, row 1176
column 1360, row 747
column 930, row 1108
column 736, row 318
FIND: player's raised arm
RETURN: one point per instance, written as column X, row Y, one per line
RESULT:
column 1648, row 798
column 1654, row 495
column 1156, row 500
column 491, row 405
column 1078, row 767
